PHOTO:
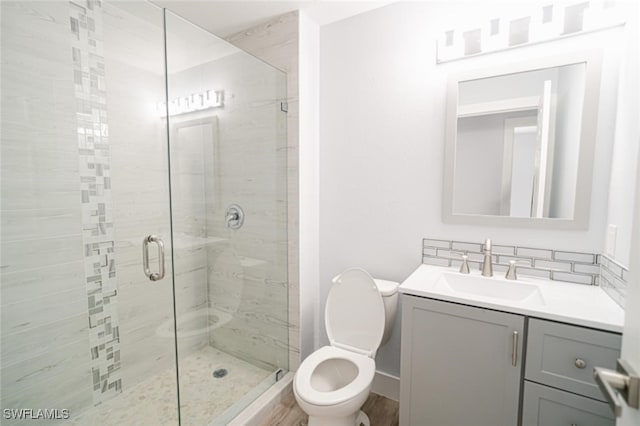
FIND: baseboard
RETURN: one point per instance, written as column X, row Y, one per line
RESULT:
column 386, row 385
column 260, row 409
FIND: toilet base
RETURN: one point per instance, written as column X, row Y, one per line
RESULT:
column 362, row 419
column 356, row 419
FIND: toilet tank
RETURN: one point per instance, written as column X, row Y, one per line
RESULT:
column 389, row 292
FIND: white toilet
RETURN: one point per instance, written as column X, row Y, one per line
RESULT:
column 332, row 383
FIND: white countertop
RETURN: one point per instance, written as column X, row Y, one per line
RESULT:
column 579, row 304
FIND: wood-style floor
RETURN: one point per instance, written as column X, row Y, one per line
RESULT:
column 381, row 411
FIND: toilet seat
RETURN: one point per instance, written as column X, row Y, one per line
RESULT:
column 364, row 378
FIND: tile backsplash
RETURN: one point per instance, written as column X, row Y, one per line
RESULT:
column 559, row 265
column 613, row 279
column 575, row 267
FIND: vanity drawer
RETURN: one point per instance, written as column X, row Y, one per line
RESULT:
column 563, row 356
column 544, row 406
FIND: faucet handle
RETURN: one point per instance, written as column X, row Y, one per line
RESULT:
column 464, row 268
column 511, row 272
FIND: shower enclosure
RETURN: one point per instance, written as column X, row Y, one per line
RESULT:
column 143, row 218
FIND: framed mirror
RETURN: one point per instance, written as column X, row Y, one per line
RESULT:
column 520, row 143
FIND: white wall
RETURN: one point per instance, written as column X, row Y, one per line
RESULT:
column 623, row 175
column 382, row 118
column 631, row 336
column 309, row 51
column 628, row 140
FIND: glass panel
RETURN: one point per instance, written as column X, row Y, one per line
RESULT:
column 84, row 179
column 228, row 149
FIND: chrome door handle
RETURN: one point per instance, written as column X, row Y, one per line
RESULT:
column 623, row 384
column 153, row 276
column 514, row 350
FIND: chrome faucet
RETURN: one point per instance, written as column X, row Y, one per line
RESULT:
column 513, row 264
column 464, row 266
column 511, row 272
column 487, row 267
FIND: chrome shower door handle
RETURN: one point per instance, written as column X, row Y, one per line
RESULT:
column 153, row 276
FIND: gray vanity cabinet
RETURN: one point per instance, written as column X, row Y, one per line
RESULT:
column 563, row 356
column 461, row 365
column 559, row 388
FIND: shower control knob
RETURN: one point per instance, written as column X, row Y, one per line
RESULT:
column 234, row 217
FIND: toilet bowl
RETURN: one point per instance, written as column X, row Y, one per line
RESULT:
column 333, row 383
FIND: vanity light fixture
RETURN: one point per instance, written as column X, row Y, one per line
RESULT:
column 557, row 20
column 192, row 103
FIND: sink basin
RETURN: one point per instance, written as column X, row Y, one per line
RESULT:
column 493, row 288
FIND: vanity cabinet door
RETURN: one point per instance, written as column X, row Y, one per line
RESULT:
column 461, row 365
column 545, row 406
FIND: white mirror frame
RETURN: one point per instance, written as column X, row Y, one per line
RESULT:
column 580, row 221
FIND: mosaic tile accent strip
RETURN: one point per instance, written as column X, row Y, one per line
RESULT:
column 613, row 279
column 574, row 267
column 95, row 190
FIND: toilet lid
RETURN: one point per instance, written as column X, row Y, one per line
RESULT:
column 354, row 314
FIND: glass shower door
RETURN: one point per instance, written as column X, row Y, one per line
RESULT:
column 84, row 333
column 143, row 233
column 227, row 137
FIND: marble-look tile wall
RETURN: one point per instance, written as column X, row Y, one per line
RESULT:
column 48, row 348
column 135, row 79
column 43, row 314
column 134, row 70
column 276, row 42
column 46, row 341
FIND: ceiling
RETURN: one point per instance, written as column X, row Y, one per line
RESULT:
column 224, row 18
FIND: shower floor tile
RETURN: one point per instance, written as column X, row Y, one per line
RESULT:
column 203, row 397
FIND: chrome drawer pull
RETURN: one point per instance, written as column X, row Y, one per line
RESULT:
column 580, row 363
